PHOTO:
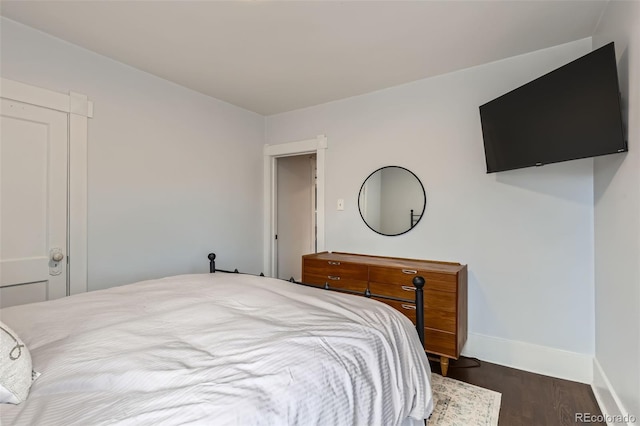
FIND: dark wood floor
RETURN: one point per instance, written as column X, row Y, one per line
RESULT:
column 528, row 399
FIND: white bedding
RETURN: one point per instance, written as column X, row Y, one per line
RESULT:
column 219, row 349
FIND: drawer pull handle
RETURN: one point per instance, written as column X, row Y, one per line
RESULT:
column 409, row 271
column 331, row 262
column 333, row 277
column 407, row 288
column 408, row 306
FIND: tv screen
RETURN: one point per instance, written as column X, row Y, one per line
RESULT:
column 572, row 112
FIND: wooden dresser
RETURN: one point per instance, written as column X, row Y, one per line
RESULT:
column 445, row 292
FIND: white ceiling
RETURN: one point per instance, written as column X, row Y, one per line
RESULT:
column 270, row 57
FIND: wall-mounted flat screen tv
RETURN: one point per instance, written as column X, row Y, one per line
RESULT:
column 572, row 112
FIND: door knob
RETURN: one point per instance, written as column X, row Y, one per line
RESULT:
column 55, row 268
column 57, row 256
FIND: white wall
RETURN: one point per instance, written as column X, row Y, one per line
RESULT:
column 527, row 235
column 617, row 229
column 173, row 174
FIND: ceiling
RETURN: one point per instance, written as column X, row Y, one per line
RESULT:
column 271, row 57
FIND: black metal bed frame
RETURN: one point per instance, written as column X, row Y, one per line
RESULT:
column 414, row 218
column 418, row 283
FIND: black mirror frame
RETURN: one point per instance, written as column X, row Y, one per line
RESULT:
column 424, row 206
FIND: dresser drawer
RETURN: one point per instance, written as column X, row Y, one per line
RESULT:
column 343, row 270
column 441, row 300
column 408, row 309
column 405, row 291
column 335, row 282
column 404, row 276
column 440, row 343
column 433, row 318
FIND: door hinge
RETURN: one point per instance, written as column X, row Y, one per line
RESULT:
column 276, row 236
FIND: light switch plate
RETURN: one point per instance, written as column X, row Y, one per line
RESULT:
column 340, row 203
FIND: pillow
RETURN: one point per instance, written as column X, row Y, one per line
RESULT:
column 16, row 375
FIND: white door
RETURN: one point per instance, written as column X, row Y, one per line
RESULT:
column 33, row 203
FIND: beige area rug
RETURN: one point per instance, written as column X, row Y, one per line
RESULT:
column 460, row 404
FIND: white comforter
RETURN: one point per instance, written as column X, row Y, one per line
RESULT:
column 219, row 349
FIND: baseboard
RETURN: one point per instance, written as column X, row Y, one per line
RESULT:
column 610, row 405
column 538, row 359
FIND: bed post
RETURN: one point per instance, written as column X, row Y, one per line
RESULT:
column 418, row 283
column 212, row 262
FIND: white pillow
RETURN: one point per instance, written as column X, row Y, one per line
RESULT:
column 16, row 375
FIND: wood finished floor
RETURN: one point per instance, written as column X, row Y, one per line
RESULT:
column 528, row 399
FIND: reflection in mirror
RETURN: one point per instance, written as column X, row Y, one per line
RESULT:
column 392, row 200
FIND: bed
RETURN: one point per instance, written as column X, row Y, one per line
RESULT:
column 221, row 348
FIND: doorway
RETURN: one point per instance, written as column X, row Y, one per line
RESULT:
column 272, row 153
column 295, row 213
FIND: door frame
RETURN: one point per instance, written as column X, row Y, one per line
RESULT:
column 78, row 109
column 316, row 146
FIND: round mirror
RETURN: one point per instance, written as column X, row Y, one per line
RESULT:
column 392, row 200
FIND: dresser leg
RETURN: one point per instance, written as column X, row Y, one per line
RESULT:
column 444, row 365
